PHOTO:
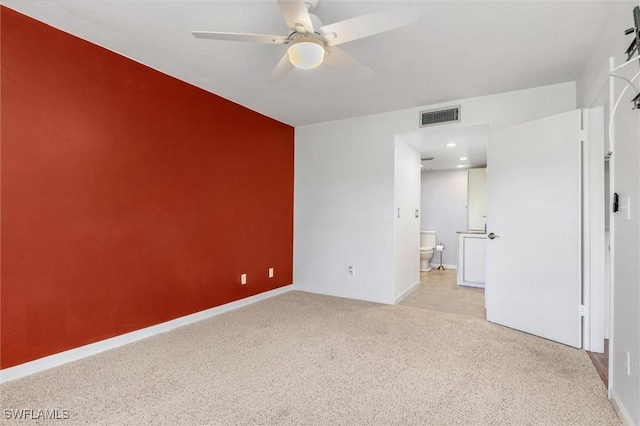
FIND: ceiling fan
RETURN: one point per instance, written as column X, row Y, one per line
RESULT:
column 311, row 43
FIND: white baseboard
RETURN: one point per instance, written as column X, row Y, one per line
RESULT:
column 51, row 361
column 314, row 289
column 407, row 292
column 622, row 412
column 435, row 266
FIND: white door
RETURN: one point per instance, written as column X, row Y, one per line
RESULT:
column 533, row 281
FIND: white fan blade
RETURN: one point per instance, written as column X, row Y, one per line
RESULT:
column 367, row 25
column 296, row 15
column 255, row 38
column 341, row 60
column 282, row 69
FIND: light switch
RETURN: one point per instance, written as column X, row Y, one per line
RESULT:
column 627, row 208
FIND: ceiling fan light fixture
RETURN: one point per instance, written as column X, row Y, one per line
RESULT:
column 306, row 52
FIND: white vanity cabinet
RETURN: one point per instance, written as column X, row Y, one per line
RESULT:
column 471, row 258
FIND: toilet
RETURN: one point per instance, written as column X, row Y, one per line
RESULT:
column 427, row 245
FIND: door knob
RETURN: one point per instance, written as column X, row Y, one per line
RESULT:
column 492, row 236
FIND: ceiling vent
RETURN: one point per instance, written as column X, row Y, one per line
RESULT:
column 439, row 116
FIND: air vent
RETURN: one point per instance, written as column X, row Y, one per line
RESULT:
column 439, row 116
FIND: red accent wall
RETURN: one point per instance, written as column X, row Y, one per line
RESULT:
column 129, row 198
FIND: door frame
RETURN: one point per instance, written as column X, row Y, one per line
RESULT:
column 593, row 238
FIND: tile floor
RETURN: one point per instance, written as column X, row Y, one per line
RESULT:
column 438, row 291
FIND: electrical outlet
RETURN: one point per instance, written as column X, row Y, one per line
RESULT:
column 243, row 279
column 270, row 272
column 352, row 271
column 627, row 362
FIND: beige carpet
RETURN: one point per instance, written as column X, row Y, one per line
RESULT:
column 301, row 358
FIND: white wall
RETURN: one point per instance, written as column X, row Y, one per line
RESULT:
column 343, row 209
column 594, row 91
column 407, row 225
column 444, row 209
column 626, row 261
column 344, row 196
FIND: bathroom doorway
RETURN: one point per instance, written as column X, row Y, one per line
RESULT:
column 448, row 154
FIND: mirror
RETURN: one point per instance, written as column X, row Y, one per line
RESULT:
column 477, row 199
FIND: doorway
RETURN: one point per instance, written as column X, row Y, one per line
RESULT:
column 600, row 358
column 448, row 156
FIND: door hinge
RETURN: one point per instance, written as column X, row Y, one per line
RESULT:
column 583, row 310
column 583, row 135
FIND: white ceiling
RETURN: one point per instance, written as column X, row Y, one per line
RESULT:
column 456, row 50
column 470, row 143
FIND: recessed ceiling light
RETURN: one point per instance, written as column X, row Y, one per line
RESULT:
column 451, row 144
column 460, row 165
column 463, row 158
